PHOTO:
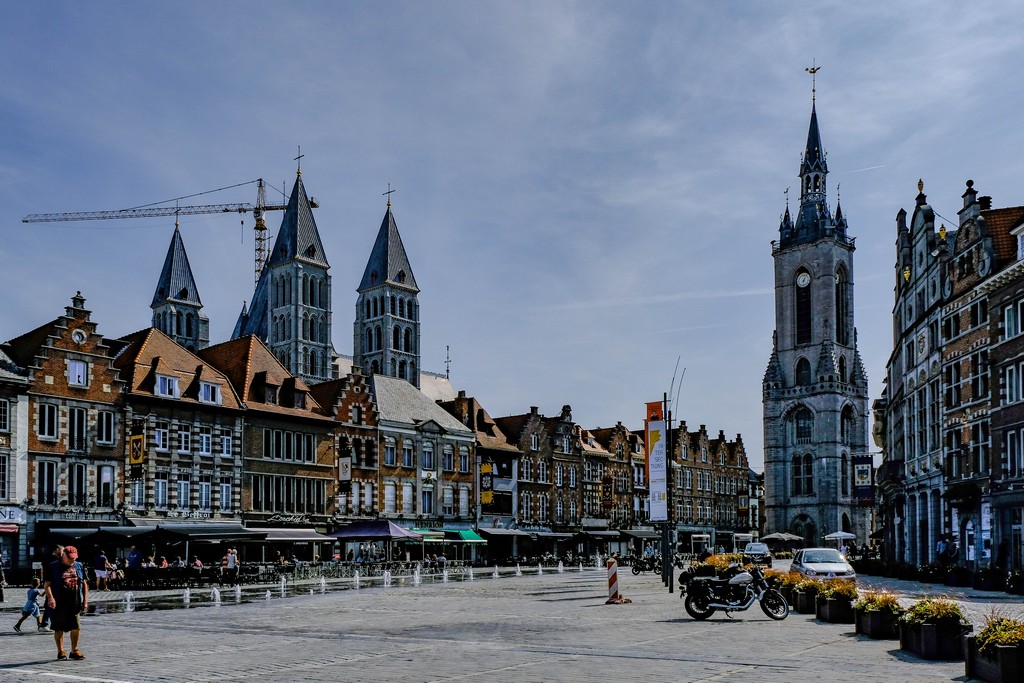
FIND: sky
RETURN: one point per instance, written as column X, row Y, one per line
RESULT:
column 587, row 192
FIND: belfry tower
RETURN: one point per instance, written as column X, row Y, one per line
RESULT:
column 815, row 390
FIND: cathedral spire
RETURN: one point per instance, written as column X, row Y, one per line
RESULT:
column 177, row 308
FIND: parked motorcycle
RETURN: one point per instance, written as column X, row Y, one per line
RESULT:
column 647, row 563
column 736, row 593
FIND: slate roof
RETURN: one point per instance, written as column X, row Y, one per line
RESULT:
column 298, row 237
column 10, row 371
column 388, row 261
column 150, row 351
column 176, row 282
column 254, row 319
column 399, row 401
column 814, row 155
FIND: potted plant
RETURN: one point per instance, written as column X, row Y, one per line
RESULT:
column 987, row 579
column 876, row 615
column 996, row 654
column 933, row 628
column 784, row 583
column 835, row 601
column 958, row 575
column 806, row 592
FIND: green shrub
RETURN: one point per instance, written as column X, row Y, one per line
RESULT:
column 879, row 601
column 999, row 630
column 838, row 589
column 934, row 610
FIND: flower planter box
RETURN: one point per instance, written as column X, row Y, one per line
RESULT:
column 1006, row 664
column 787, row 593
column 835, row 610
column 805, row 602
column 934, row 641
column 876, row 624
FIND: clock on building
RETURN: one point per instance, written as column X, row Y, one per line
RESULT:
column 803, row 279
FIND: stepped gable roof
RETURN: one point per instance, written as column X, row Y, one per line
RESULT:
column 514, row 426
column 435, row 385
column 150, row 351
column 1000, row 223
column 176, row 282
column 23, row 349
column 401, row 402
column 388, row 262
column 298, row 237
column 330, row 393
column 252, row 369
column 476, row 418
column 603, row 435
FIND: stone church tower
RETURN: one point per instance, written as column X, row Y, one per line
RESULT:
column 291, row 307
column 177, row 309
column 815, row 390
column 386, row 335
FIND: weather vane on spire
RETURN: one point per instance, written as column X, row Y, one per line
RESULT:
column 298, row 161
column 388, row 195
column 812, row 69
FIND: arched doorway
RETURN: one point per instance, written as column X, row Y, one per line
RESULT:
column 805, row 527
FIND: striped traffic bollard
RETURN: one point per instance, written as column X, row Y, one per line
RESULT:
column 613, row 585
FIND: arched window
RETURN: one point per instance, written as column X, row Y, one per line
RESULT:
column 396, row 337
column 803, row 372
column 369, row 340
column 412, row 310
column 803, row 421
column 375, row 307
column 379, row 341
column 323, row 330
column 401, row 370
column 842, row 369
column 314, row 362
column 408, row 340
column 842, row 307
column 844, row 475
column 305, row 290
column 179, row 323
column 188, row 325
column 846, row 426
column 394, row 368
column 798, row 475
column 305, row 326
column 808, row 475
column 401, row 308
column 368, row 308
column 803, row 307
column 392, row 305
column 374, row 368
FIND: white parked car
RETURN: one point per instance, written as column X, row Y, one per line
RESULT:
column 822, row 563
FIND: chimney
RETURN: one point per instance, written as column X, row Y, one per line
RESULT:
column 462, row 393
column 533, row 410
column 986, row 202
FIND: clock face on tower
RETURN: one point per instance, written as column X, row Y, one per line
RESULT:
column 803, row 279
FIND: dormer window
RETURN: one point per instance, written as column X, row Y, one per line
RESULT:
column 300, row 400
column 270, row 396
column 565, row 444
column 209, row 393
column 167, row 386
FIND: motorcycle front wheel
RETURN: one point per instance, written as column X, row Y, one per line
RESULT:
column 697, row 607
column 636, row 570
column 657, row 568
column 774, row 605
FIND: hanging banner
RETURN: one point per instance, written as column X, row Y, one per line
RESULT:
column 863, row 481
column 657, row 462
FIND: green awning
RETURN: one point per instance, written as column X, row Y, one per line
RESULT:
column 463, row 536
column 430, row 535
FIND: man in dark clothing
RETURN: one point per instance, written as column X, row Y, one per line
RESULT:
column 67, row 594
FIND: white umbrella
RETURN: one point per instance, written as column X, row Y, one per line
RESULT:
column 840, row 536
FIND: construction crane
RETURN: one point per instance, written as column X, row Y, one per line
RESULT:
column 151, row 211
